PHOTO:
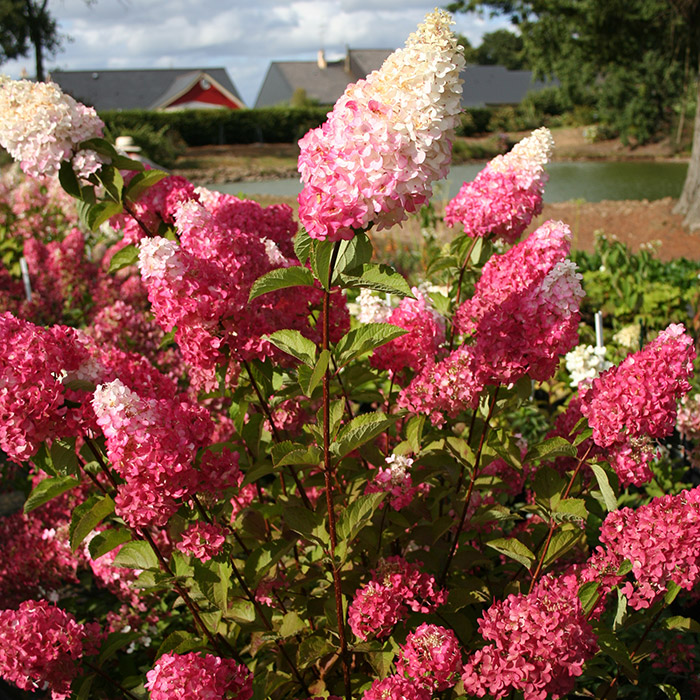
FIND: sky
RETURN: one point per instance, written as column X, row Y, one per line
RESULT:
column 243, row 36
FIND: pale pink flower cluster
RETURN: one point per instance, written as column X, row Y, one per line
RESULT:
column 152, row 444
column 187, row 676
column 202, row 540
column 372, row 308
column 660, row 539
column 41, row 644
column 522, row 317
column 637, row 399
column 426, row 333
column 394, row 479
column 507, row 193
column 431, row 656
column 396, row 688
column 387, row 139
column 397, row 586
column 42, row 127
column 688, row 418
column 539, row 643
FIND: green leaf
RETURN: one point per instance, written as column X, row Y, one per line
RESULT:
column 94, row 215
column 114, row 642
column 381, row 278
column 618, row 652
column 63, row 456
column 123, row 163
column 316, row 375
column 128, row 255
column 678, row 622
column 180, row 642
column 87, row 516
column 107, row 540
column 257, row 472
column 551, row 448
column 570, row 509
column 313, row 648
column 321, row 254
column 307, row 523
column 669, row 691
column 47, row 489
column 360, row 430
column 262, row 559
column 291, row 624
column 358, row 514
column 514, row 549
column 242, row 611
column 101, row 146
column 601, row 477
column 672, row 590
column 353, row 253
column 414, row 432
column 136, row 555
column 141, row 182
column 295, row 344
column 548, row 484
column 302, row 245
column 112, row 181
column 364, row 338
column 69, row 180
column 562, row 541
column 589, row 596
column 281, row 278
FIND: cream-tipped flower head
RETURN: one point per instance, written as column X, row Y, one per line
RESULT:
column 41, row 127
column 387, row 139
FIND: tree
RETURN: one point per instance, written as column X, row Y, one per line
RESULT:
column 25, row 24
column 502, row 48
column 634, row 59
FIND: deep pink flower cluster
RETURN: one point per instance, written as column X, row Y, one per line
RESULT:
column 186, row 676
column 426, row 333
column 431, row 656
column 637, row 399
column 660, row 539
column 202, row 540
column 396, row 587
column 522, row 317
column 40, row 644
column 387, row 139
column 396, row 688
column 540, row 642
column 152, row 444
column 506, row 194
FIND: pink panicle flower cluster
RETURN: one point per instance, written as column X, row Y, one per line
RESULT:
column 202, row 540
column 185, row 676
column 42, row 127
column 540, row 642
column 396, row 587
column 152, row 444
column 426, row 333
column 660, row 539
column 507, row 193
column 395, row 479
column 386, row 140
column 431, row 656
column 637, row 399
column 40, row 645
column 396, row 688
column 523, row 316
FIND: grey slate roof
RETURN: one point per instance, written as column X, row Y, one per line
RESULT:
column 132, row 89
column 483, row 85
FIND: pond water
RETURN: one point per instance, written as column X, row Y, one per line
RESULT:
column 591, row 181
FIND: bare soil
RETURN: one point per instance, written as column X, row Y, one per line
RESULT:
column 633, row 222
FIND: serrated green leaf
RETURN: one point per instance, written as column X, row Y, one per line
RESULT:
column 570, row 509
column 281, row 278
column 313, row 648
column 180, row 642
column 317, row 373
column 364, row 338
column 618, row 652
column 514, row 549
column 601, row 477
column 562, row 541
column 354, row 252
column 47, row 489
column 63, row 456
column 141, row 182
column 414, row 432
column 99, row 145
column 295, row 344
column 262, row 559
column 107, row 540
column 87, row 516
column 69, row 180
column 307, row 523
column 128, row 255
column 378, row 277
column 291, row 624
column 257, row 472
column 672, row 591
column 242, row 611
column 551, row 448
column 302, row 245
column 81, row 687
column 321, row 254
column 360, row 430
column 136, row 555
column 358, row 514
column 678, row 622
column 669, row 691
column 94, row 215
column 588, row 595
column 114, row 642
column 112, row 181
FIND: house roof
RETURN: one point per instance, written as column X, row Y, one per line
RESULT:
column 494, row 85
column 135, row 88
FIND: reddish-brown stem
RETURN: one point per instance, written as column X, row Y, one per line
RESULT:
column 469, row 444
column 553, row 524
column 100, row 460
column 142, row 226
column 472, row 481
column 459, row 288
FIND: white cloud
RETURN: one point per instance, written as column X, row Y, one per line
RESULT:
column 243, row 36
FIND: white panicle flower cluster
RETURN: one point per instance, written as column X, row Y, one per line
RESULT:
column 274, row 254
column 41, row 127
column 370, row 308
column 399, row 468
column 628, row 337
column 158, row 257
column 562, row 286
column 527, row 158
column 585, row 363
